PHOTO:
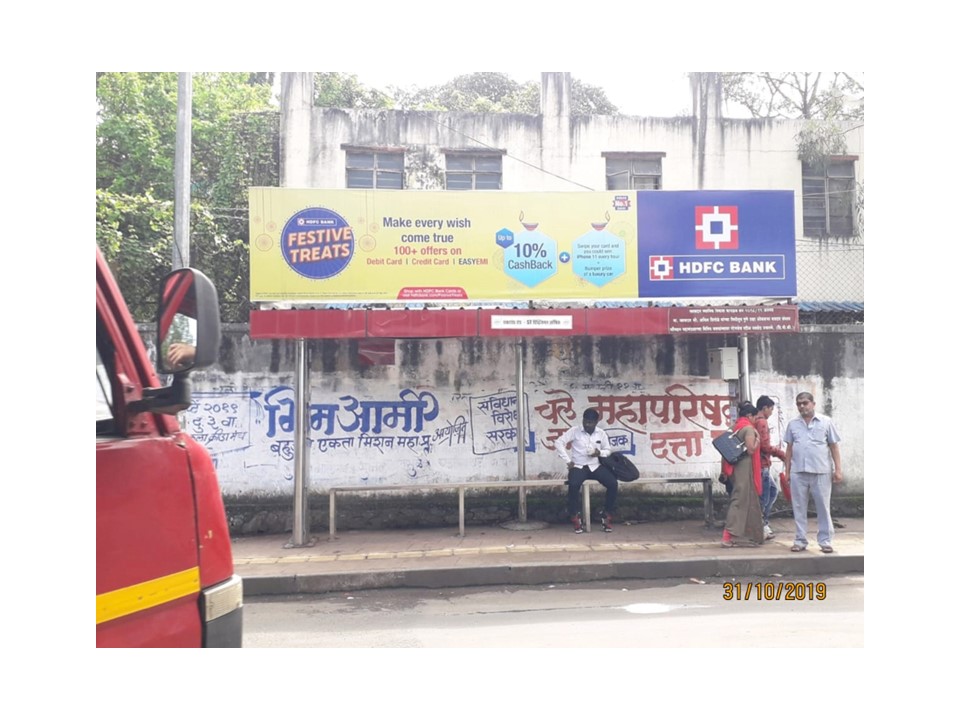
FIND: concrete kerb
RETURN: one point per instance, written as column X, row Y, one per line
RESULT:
column 437, row 557
column 551, row 573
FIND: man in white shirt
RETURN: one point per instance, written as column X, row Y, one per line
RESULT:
column 587, row 445
column 813, row 465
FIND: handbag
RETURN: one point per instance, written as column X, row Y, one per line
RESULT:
column 621, row 466
column 730, row 446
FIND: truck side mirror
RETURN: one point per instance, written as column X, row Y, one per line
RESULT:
column 188, row 337
column 188, row 322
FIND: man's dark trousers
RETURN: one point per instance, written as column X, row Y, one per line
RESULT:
column 575, row 479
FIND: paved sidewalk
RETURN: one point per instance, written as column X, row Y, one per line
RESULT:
column 438, row 557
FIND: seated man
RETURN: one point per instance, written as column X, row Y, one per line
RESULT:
column 587, row 445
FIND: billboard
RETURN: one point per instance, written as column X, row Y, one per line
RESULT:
column 716, row 244
column 407, row 246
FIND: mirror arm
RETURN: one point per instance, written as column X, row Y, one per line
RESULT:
column 165, row 400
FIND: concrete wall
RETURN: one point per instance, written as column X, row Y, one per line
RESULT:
column 446, row 411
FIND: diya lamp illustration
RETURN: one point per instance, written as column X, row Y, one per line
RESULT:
column 600, row 226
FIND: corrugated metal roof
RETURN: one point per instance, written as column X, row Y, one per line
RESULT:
column 806, row 306
column 824, row 306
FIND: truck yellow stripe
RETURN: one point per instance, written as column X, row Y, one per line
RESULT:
column 142, row 596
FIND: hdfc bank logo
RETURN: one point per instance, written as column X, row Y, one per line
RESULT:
column 661, row 267
column 317, row 243
column 717, row 227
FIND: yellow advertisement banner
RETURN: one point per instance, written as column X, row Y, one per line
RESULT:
column 364, row 246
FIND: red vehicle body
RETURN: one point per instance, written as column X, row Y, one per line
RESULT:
column 164, row 563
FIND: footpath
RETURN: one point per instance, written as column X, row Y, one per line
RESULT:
column 496, row 555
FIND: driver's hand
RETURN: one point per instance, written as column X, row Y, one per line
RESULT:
column 181, row 354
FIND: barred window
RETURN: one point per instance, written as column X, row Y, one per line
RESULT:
column 829, row 198
column 375, row 169
column 634, row 171
column 473, row 171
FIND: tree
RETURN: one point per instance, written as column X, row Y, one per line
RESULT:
column 497, row 92
column 343, row 90
column 826, row 102
column 235, row 145
column 590, row 100
column 797, row 95
column 136, row 130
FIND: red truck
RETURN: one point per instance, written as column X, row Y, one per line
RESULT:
column 165, row 574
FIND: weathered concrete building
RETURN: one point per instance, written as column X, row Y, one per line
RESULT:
column 430, row 411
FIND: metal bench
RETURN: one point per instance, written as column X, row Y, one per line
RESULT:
column 462, row 487
column 707, row 495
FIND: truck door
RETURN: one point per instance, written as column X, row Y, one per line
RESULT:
column 148, row 579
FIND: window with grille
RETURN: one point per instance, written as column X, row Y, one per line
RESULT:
column 829, row 198
column 474, row 171
column 634, row 171
column 375, row 169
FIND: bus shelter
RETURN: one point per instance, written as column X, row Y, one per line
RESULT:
column 356, row 264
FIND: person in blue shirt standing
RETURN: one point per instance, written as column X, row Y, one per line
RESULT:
column 812, row 441
column 587, row 445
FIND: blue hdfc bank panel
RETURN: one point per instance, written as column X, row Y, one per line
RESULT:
column 719, row 243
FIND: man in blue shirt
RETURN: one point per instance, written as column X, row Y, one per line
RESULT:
column 587, row 446
column 812, row 441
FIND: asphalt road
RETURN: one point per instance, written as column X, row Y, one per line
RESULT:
column 716, row 613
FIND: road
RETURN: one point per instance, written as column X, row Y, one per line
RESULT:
column 641, row 614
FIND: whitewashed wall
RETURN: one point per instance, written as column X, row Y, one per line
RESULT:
column 447, row 411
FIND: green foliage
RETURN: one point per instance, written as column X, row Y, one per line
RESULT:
column 218, row 99
column 135, row 234
column 343, row 90
column 475, row 92
column 234, row 145
column 819, row 139
column 136, row 129
column 588, row 100
column 497, row 92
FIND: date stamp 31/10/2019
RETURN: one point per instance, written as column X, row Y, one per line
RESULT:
column 760, row 591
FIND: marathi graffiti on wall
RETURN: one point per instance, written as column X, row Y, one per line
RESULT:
column 423, row 436
column 640, row 414
column 493, row 419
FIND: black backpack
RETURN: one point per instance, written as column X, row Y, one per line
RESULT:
column 621, row 466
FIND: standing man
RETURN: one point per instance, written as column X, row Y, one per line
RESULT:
column 769, row 493
column 812, row 441
column 587, row 445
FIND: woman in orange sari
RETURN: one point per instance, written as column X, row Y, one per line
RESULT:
column 744, row 518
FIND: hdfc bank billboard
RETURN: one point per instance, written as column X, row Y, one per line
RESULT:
column 716, row 244
column 371, row 246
